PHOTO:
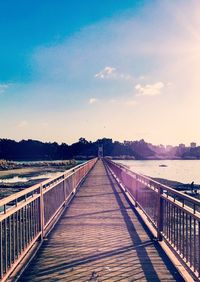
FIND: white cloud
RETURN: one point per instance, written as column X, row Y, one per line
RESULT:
column 106, row 73
column 112, row 73
column 22, row 124
column 93, row 101
column 149, row 89
column 3, row 87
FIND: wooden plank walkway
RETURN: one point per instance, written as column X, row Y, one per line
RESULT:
column 100, row 238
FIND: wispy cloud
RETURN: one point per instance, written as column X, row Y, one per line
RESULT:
column 149, row 89
column 3, row 87
column 112, row 73
column 93, row 101
column 22, row 124
column 106, row 73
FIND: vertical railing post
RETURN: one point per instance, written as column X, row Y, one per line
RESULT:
column 85, row 168
column 159, row 214
column 74, row 180
column 41, row 211
column 136, row 191
column 64, row 188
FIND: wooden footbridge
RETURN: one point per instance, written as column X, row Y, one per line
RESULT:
column 99, row 222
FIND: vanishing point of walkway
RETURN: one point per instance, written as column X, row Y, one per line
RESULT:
column 100, row 238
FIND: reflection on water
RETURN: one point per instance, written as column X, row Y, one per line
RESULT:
column 184, row 171
column 16, row 179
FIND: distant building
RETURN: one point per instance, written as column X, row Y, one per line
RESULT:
column 181, row 150
column 193, row 145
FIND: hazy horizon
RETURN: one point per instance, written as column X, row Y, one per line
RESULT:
column 126, row 69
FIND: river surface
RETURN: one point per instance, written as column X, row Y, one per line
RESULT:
column 24, row 179
column 184, row 171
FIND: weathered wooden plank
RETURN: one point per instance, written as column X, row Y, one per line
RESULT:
column 100, row 238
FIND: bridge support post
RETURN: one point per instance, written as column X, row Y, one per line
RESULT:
column 160, row 214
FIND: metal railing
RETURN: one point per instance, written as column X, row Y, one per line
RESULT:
column 27, row 216
column 174, row 215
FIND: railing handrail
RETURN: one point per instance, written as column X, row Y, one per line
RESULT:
column 163, row 186
column 19, row 194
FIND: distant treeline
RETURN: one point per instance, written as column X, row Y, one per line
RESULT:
column 37, row 150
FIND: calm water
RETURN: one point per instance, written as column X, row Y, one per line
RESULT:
column 184, row 171
column 24, row 179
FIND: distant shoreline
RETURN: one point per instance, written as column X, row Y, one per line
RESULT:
column 179, row 186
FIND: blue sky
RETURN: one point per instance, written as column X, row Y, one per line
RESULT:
column 25, row 25
column 121, row 69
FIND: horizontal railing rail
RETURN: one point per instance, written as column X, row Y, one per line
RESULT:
column 27, row 216
column 174, row 215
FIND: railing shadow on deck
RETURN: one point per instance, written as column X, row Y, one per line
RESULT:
column 90, row 258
